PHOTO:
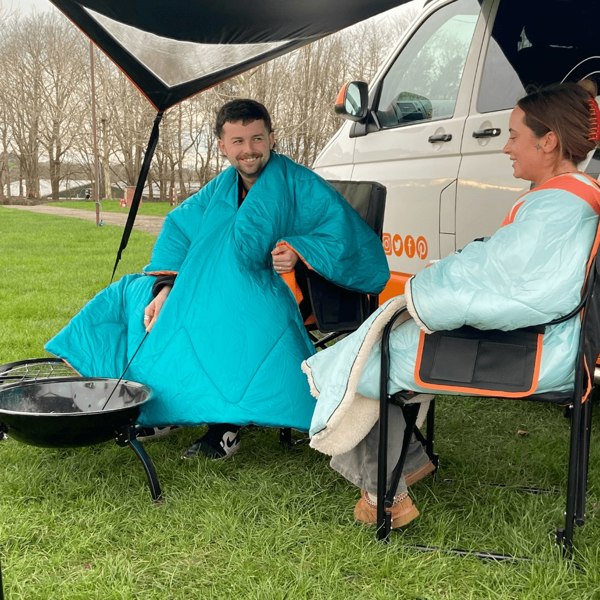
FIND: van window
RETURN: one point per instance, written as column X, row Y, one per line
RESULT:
column 422, row 84
column 536, row 43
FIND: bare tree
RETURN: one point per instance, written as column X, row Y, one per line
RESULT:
column 5, row 146
column 300, row 88
column 177, row 139
column 63, row 103
column 129, row 119
column 24, row 96
column 45, row 106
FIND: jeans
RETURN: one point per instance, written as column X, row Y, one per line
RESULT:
column 359, row 465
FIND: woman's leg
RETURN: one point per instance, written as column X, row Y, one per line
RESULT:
column 359, row 465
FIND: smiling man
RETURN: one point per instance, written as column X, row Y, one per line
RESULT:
column 220, row 295
column 246, row 144
column 245, row 137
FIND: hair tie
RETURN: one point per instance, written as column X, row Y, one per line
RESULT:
column 594, row 134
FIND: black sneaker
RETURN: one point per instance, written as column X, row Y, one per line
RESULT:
column 220, row 441
column 146, row 434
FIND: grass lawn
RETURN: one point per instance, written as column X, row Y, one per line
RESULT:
column 158, row 209
column 271, row 523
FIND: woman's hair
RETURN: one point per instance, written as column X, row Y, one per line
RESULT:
column 566, row 110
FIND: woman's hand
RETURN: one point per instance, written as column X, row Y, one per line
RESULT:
column 284, row 259
column 153, row 309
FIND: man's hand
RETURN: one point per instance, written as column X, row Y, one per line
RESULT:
column 153, row 309
column 284, row 259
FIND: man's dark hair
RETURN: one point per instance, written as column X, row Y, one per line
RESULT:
column 244, row 110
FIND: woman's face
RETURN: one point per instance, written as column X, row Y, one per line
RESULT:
column 524, row 148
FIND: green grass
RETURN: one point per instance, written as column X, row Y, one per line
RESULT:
column 271, row 523
column 51, row 266
column 158, row 209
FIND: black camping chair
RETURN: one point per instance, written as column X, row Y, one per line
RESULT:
column 338, row 311
column 579, row 411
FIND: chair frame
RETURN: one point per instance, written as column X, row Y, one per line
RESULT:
column 578, row 402
column 372, row 214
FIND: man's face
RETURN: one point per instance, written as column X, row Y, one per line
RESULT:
column 247, row 147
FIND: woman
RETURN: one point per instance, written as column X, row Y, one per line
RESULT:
column 529, row 272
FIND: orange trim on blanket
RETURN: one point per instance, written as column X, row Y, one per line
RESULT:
column 310, row 320
column 590, row 376
column 479, row 391
column 590, row 383
column 510, row 217
column 156, row 273
column 289, row 279
column 587, row 193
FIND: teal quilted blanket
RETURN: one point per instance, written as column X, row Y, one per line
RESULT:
column 228, row 344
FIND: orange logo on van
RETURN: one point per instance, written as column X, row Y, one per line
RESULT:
column 386, row 240
column 422, row 247
column 398, row 245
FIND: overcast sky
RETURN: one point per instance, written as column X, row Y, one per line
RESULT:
column 26, row 6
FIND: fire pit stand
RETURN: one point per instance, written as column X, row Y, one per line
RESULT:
column 43, row 402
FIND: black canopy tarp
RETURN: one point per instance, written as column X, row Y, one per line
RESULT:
column 172, row 49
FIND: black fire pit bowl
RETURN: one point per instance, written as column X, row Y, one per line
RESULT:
column 70, row 411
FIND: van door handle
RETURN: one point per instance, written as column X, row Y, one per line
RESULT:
column 490, row 132
column 440, row 137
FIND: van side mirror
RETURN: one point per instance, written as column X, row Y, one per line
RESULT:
column 351, row 102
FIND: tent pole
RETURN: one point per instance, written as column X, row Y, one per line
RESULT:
column 96, row 188
column 139, row 188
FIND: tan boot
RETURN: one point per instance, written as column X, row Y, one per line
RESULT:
column 403, row 510
column 420, row 473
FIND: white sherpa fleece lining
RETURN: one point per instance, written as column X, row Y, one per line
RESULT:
column 355, row 415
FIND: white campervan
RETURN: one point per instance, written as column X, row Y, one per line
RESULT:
column 432, row 125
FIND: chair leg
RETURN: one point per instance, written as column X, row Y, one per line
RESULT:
column 429, row 438
column 288, row 441
column 285, row 436
column 384, row 519
column 586, row 427
column 384, row 524
column 385, row 494
column 564, row 537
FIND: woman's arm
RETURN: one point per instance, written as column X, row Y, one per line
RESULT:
column 529, row 272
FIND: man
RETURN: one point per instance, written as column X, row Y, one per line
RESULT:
column 225, row 336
